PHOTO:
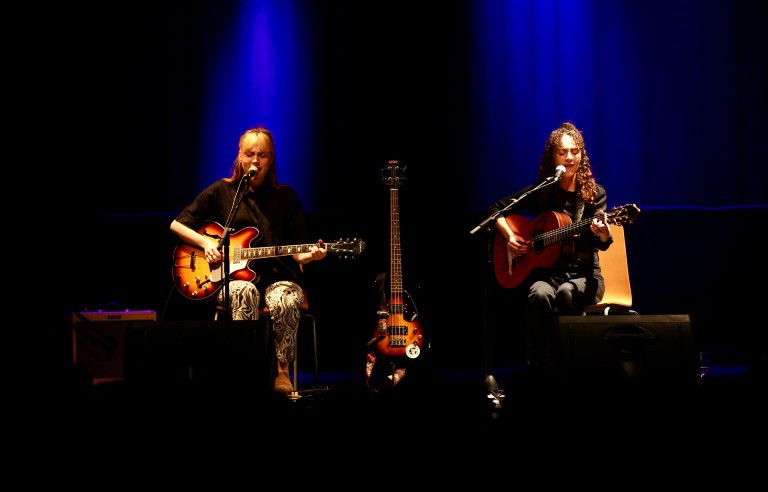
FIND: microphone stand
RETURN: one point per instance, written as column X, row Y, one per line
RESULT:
column 224, row 241
column 491, row 385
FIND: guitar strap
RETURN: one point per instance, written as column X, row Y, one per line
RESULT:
column 579, row 210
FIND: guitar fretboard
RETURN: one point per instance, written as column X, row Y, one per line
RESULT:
column 395, row 263
column 616, row 216
column 268, row 251
column 562, row 233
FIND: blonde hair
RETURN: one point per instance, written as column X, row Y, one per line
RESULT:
column 250, row 137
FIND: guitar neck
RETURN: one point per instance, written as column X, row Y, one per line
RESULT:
column 395, row 260
column 562, row 233
column 272, row 251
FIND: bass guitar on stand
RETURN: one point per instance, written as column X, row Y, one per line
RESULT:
column 398, row 332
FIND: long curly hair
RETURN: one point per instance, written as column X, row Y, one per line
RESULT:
column 586, row 187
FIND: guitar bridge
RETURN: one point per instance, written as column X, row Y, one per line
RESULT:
column 397, row 336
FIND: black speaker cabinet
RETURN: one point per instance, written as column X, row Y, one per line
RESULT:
column 98, row 341
column 202, row 354
column 652, row 349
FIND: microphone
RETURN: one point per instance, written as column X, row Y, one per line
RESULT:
column 559, row 171
column 255, row 170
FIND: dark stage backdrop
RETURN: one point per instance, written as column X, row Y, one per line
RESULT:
column 670, row 97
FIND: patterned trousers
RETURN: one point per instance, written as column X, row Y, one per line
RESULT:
column 283, row 299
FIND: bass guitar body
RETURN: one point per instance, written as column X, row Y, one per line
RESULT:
column 399, row 332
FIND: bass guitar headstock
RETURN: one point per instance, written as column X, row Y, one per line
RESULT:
column 393, row 173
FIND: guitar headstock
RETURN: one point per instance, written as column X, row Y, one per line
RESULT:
column 394, row 173
column 626, row 214
column 347, row 247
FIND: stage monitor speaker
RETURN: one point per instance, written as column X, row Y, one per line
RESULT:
column 98, row 341
column 632, row 349
column 209, row 354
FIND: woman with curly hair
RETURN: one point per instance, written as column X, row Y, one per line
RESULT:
column 566, row 193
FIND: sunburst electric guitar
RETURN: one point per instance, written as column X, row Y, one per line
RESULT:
column 401, row 335
column 545, row 234
column 197, row 279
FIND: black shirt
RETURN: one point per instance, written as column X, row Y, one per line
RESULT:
column 268, row 217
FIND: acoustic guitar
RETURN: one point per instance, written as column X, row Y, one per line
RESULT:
column 545, row 234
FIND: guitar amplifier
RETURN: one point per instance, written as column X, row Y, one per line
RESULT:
column 98, row 341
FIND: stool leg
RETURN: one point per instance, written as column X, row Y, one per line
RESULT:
column 295, row 375
column 314, row 349
column 314, row 353
column 294, row 395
